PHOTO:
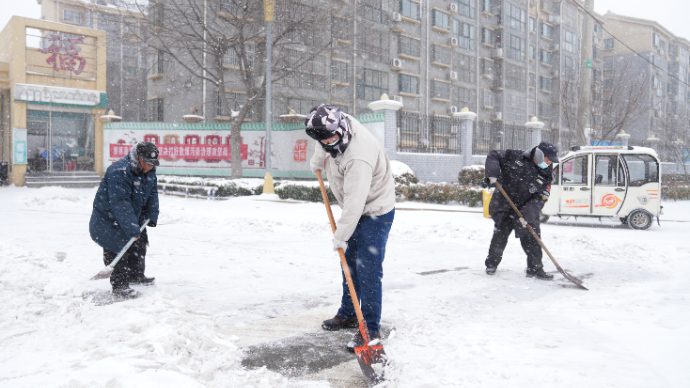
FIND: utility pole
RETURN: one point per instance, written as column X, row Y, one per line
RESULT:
column 585, row 89
column 269, row 6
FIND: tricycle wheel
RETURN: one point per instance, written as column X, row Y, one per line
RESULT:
column 640, row 219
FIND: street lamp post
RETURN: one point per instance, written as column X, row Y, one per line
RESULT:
column 269, row 6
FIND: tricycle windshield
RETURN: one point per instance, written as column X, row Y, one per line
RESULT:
column 642, row 169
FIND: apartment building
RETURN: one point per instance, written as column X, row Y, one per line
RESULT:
column 663, row 63
column 126, row 61
column 506, row 60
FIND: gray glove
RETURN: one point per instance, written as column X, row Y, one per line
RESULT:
column 523, row 222
column 339, row 244
column 492, row 180
column 315, row 167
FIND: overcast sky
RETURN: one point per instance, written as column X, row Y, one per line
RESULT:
column 672, row 14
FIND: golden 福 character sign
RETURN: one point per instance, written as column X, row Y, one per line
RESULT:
column 269, row 6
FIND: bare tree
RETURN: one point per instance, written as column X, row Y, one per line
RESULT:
column 222, row 42
column 624, row 97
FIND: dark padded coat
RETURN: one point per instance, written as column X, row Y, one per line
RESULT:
column 523, row 181
column 125, row 198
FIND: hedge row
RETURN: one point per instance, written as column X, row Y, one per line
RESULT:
column 440, row 193
column 304, row 193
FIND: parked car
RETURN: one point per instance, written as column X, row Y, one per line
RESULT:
column 622, row 183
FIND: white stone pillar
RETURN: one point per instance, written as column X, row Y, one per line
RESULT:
column 653, row 142
column 536, row 126
column 390, row 110
column 624, row 138
column 465, row 133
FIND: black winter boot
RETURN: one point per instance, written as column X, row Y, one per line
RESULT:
column 141, row 279
column 337, row 323
column 539, row 274
column 490, row 270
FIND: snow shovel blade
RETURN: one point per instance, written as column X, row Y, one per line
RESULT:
column 371, row 357
column 104, row 274
column 572, row 278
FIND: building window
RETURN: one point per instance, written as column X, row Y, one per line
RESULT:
column 155, row 109
column 532, row 52
column 608, row 44
column 569, row 67
column 516, row 48
column 231, row 58
column 232, row 7
column 408, row 84
column 464, row 33
column 598, row 31
column 570, row 41
column 488, row 99
column 532, row 107
column 339, row 71
column 375, row 44
column 440, row 90
column 157, row 14
column 465, row 97
column 608, row 64
column 409, row 9
column 465, row 66
column 486, row 6
column 516, row 17
column 236, row 101
column 409, row 46
column 440, row 19
column 546, row 30
column 597, row 75
column 545, row 84
column 440, row 54
column 544, row 109
column 532, row 80
column 656, row 39
column 371, row 84
column 487, row 36
column 487, row 67
column 545, row 57
column 155, row 62
column 515, row 108
column 70, row 16
column 372, row 10
column 465, row 7
column 532, row 24
column 516, row 77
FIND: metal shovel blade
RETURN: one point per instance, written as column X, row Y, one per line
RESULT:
column 104, row 274
column 572, row 278
column 371, row 357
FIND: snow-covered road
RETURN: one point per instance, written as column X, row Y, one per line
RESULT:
column 236, row 273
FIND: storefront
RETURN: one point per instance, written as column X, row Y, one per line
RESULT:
column 54, row 96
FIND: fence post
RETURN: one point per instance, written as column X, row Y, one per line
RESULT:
column 465, row 134
column 536, row 127
column 390, row 113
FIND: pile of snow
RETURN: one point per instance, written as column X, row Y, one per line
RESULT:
column 399, row 168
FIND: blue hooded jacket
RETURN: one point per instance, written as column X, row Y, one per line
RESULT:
column 125, row 198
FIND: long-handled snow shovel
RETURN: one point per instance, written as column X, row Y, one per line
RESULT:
column 368, row 355
column 105, row 273
column 565, row 274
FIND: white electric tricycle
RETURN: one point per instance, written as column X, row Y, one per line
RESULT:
column 622, row 183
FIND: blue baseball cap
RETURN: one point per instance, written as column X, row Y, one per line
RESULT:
column 549, row 150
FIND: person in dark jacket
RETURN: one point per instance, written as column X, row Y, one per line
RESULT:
column 127, row 196
column 526, row 178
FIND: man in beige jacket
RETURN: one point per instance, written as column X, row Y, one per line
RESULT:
column 360, row 176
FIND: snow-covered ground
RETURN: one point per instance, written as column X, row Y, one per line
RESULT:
column 249, row 270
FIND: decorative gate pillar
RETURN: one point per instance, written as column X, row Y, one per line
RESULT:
column 390, row 110
column 536, row 126
column 465, row 133
column 624, row 138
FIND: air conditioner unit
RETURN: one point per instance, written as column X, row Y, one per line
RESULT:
column 453, row 7
column 555, row 125
column 453, row 41
column 549, row 18
column 497, row 53
column 554, row 73
column 453, row 75
column 659, row 92
column 398, row 99
column 555, row 47
column 397, row 17
column 661, row 52
column 454, row 109
column 396, row 63
column 497, row 116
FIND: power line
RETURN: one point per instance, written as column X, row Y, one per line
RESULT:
column 628, row 47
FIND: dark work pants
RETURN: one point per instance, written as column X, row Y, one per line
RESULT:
column 500, row 240
column 130, row 266
column 366, row 250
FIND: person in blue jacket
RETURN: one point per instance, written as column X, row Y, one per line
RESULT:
column 127, row 196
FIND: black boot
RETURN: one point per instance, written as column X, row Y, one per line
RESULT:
column 490, row 270
column 141, row 279
column 337, row 323
column 125, row 292
column 539, row 274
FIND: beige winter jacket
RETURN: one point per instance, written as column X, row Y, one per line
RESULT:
column 361, row 179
